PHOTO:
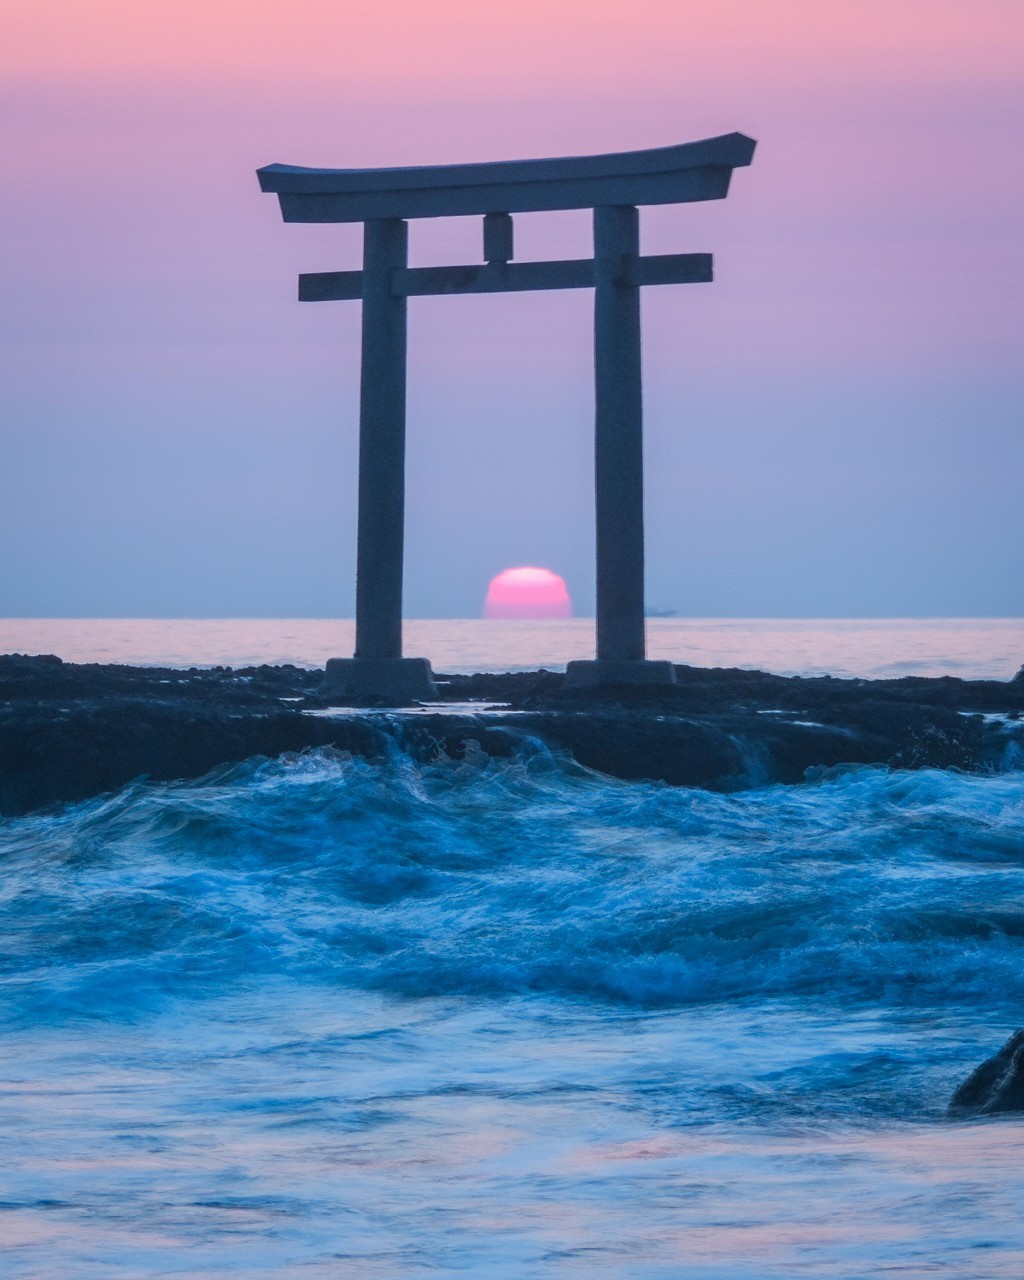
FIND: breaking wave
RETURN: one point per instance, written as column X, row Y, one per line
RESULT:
column 509, row 1018
column 531, row 876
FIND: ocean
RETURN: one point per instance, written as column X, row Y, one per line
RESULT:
column 510, row 1018
column 873, row 648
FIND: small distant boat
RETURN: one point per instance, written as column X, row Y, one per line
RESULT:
column 661, row 613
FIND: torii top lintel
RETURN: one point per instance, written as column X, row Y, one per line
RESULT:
column 662, row 175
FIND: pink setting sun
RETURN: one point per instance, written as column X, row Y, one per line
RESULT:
column 527, row 592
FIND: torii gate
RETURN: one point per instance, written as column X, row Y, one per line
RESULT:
column 383, row 199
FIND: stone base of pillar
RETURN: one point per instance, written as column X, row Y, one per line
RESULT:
column 393, row 680
column 593, row 672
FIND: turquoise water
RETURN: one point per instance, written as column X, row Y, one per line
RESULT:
column 316, row 1017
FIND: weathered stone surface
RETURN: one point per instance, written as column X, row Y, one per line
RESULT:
column 601, row 673
column 996, row 1086
column 392, row 681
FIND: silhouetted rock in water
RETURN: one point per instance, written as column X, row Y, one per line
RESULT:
column 996, row 1086
column 70, row 730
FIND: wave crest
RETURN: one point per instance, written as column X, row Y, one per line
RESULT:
column 489, row 878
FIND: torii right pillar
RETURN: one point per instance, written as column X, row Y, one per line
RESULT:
column 618, row 437
column 618, row 460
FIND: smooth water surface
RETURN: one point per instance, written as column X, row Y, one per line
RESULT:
column 317, row 1017
column 974, row 648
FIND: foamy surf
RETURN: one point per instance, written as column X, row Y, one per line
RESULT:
column 509, row 1017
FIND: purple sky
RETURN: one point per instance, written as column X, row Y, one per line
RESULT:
column 833, row 426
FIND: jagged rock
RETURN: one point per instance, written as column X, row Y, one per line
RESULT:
column 996, row 1086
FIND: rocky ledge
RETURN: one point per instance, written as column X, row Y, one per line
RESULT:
column 70, row 731
column 997, row 1086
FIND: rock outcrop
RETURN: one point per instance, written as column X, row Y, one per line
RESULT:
column 996, row 1086
column 69, row 731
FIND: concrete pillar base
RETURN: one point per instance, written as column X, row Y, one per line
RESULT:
column 394, row 680
column 590, row 674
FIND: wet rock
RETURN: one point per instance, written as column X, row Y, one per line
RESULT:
column 996, row 1086
column 72, row 730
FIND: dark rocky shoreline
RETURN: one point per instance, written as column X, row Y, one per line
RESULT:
column 70, row 731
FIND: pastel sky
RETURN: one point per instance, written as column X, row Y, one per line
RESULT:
column 832, row 428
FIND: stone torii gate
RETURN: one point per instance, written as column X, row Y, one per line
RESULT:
column 383, row 200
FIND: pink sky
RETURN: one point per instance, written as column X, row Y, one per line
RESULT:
column 867, row 298
column 572, row 46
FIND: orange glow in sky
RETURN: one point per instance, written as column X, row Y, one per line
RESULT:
column 527, row 592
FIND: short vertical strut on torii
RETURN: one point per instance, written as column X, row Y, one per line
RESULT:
column 384, row 199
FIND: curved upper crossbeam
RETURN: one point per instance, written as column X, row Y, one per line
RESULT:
column 662, row 175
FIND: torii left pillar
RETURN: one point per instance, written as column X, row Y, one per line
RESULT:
column 378, row 663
